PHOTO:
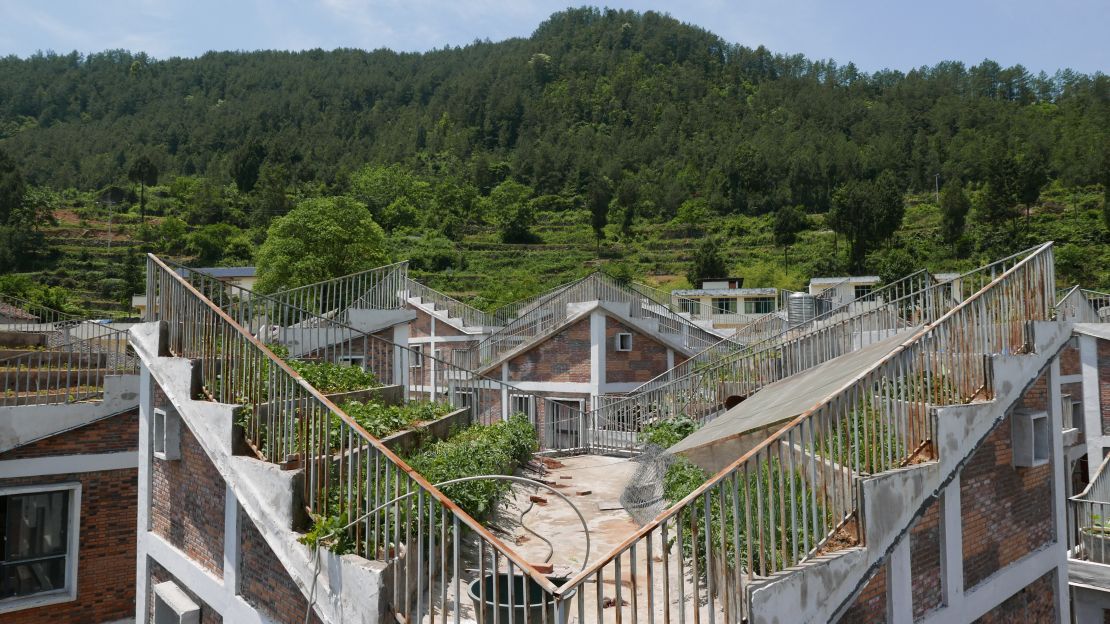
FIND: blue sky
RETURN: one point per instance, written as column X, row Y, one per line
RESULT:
column 875, row 34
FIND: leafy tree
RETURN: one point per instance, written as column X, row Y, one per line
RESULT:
column 20, row 239
column 867, row 213
column 207, row 244
column 144, row 173
column 954, row 206
column 12, row 190
column 510, row 208
column 171, row 234
column 598, row 196
column 246, row 163
column 320, row 239
column 707, row 263
column 789, row 221
column 269, row 197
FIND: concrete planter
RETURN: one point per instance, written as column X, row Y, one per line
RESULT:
column 1096, row 544
column 406, row 441
column 387, row 395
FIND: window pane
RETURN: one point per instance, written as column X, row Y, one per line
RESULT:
column 23, row 579
column 35, row 525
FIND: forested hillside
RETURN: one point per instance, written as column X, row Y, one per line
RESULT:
column 612, row 133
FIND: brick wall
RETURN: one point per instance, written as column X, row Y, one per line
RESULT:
column 187, row 503
column 1069, row 359
column 646, row 360
column 1035, row 603
column 157, row 574
column 117, row 434
column 1006, row 512
column 263, row 581
column 106, row 551
column 1104, row 382
column 565, row 356
column 870, row 605
column 925, row 547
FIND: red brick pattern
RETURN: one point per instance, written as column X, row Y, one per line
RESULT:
column 646, row 360
column 263, row 581
column 1035, row 603
column 1006, row 511
column 118, row 434
column 157, row 574
column 1069, row 360
column 187, row 503
column 1104, row 382
column 564, row 356
column 925, row 546
column 870, row 604
column 106, row 552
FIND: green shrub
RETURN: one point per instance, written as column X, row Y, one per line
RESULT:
column 381, row 420
column 667, row 433
column 329, row 378
column 478, row 450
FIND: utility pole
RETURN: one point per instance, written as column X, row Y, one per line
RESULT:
column 938, row 188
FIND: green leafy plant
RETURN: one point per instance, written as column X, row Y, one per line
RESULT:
column 478, row 450
column 329, row 532
column 329, row 378
column 667, row 433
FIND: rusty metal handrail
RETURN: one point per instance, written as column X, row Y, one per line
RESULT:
column 200, row 328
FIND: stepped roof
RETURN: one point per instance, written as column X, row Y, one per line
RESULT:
column 12, row 312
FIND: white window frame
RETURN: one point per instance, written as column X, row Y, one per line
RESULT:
column 866, row 288
column 530, row 405
column 69, row 592
column 353, row 360
column 750, row 307
column 417, row 356
column 618, row 341
column 730, row 306
column 166, row 444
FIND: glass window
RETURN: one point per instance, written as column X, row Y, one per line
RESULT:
column 724, row 305
column 417, row 357
column 759, row 305
column 862, row 290
column 36, row 542
column 692, row 306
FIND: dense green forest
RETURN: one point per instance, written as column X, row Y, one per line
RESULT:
column 607, row 137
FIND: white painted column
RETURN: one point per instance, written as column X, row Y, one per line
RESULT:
column 951, row 545
column 670, row 358
column 597, row 351
column 505, row 391
column 231, row 541
column 899, row 584
column 1059, row 490
column 430, row 361
column 401, row 364
column 1092, row 409
column 146, row 412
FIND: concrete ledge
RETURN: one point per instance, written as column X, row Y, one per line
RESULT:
column 23, row 424
column 408, row 440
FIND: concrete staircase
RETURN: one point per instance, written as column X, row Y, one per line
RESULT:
column 821, row 589
column 347, row 588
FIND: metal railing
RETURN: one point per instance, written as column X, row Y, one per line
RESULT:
column 69, row 372
column 380, row 288
column 554, row 311
column 421, row 376
column 393, row 513
column 68, row 363
column 794, row 495
column 701, row 386
column 468, row 314
column 1089, row 519
column 513, row 310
